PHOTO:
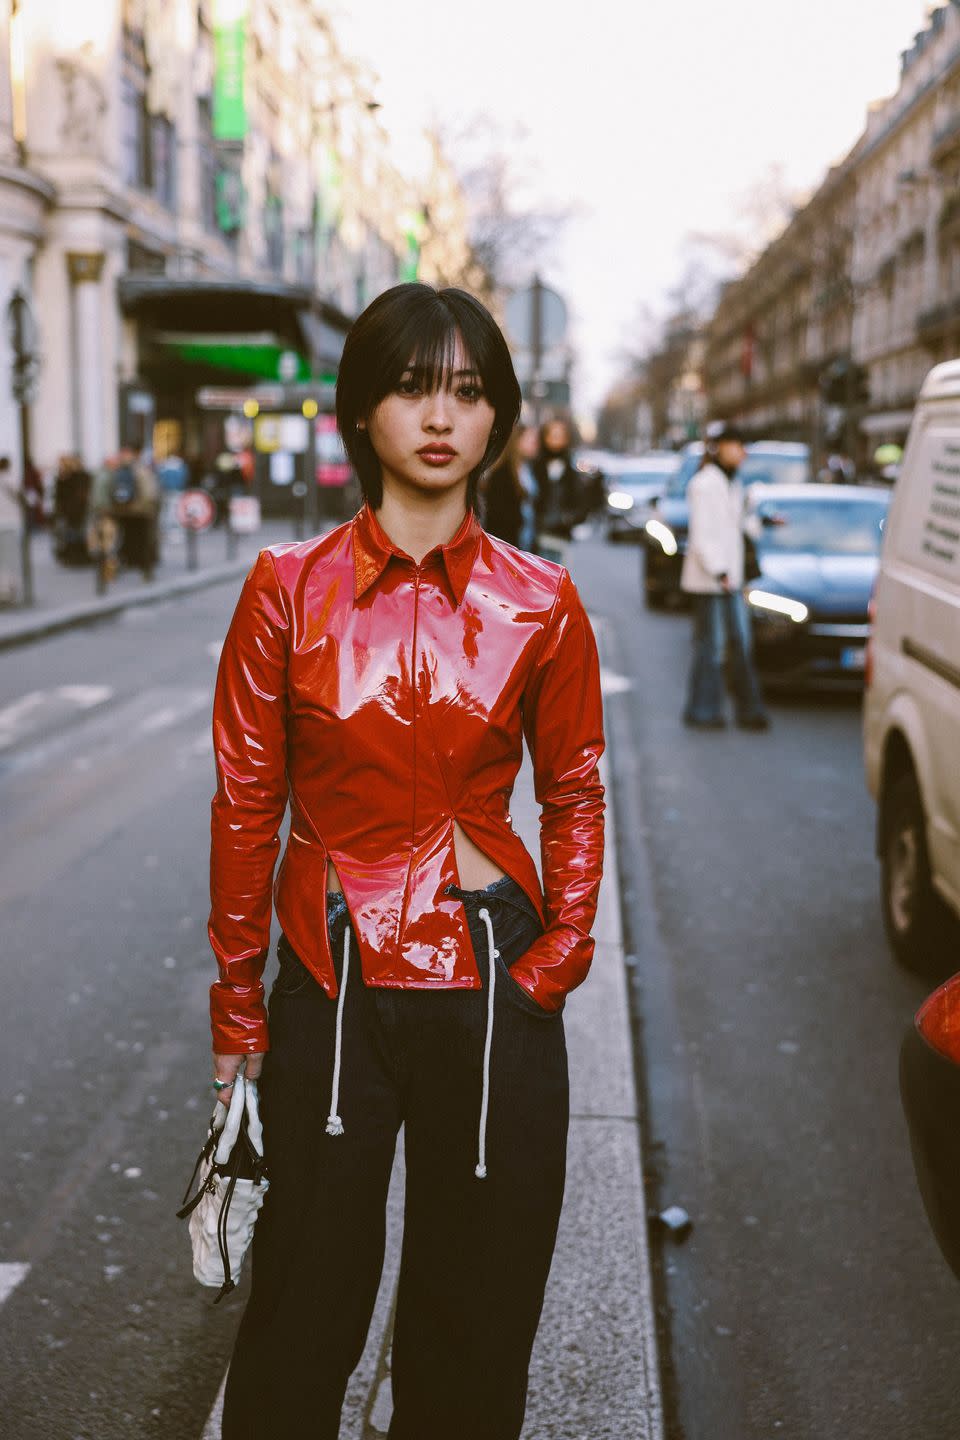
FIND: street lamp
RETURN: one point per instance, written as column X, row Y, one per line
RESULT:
column 22, row 334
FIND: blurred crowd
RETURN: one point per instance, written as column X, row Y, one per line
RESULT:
column 115, row 516
column 536, row 495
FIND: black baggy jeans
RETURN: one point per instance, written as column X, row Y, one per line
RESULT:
column 476, row 1251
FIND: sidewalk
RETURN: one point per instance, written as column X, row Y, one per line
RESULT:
column 594, row 1373
column 66, row 595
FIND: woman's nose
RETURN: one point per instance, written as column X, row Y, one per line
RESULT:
column 436, row 415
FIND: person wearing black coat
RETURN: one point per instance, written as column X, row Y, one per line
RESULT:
column 562, row 501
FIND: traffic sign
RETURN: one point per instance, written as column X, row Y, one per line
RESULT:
column 521, row 316
column 195, row 510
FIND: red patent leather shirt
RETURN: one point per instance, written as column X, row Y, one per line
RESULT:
column 386, row 700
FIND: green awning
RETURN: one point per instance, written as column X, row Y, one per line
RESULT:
column 255, row 356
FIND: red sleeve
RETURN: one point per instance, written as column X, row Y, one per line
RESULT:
column 563, row 725
column 250, row 752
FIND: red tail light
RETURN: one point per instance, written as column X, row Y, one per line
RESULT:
column 938, row 1019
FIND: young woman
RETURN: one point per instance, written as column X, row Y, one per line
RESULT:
column 562, row 501
column 382, row 678
column 509, row 492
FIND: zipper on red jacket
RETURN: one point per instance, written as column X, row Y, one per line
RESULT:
column 414, row 667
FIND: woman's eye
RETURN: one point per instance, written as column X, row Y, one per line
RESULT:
column 470, row 392
column 408, row 387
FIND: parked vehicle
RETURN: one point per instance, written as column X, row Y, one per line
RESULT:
column 818, row 550
column 665, row 530
column 632, row 482
column 912, row 703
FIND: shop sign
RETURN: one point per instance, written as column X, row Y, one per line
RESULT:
column 244, row 514
column 229, row 55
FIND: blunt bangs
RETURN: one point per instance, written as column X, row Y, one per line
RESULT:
column 415, row 325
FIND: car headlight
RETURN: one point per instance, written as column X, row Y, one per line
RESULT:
column 620, row 500
column 663, row 535
column 769, row 604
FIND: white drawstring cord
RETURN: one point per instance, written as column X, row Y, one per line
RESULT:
column 481, row 1170
column 334, row 1123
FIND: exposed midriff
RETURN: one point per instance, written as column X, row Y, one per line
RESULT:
column 475, row 869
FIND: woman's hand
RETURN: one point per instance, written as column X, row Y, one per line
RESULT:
column 227, row 1067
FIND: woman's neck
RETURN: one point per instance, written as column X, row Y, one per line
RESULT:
column 416, row 524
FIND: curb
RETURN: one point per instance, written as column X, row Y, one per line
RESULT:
column 70, row 617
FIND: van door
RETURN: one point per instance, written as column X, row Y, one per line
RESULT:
column 925, row 571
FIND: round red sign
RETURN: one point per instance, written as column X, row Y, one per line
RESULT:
column 195, row 510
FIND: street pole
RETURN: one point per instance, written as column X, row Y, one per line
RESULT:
column 24, row 367
column 313, row 496
column 536, row 346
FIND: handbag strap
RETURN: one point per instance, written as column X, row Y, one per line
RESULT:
column 231, row 1127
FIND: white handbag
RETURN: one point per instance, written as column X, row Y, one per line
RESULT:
column 233, row 1183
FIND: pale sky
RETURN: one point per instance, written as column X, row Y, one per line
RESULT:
column 651, row 118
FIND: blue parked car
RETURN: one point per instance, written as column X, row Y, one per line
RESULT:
column 818, row 554
column 768, row 462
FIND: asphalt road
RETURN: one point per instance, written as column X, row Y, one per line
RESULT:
column 809, row 1301
column 104, row 750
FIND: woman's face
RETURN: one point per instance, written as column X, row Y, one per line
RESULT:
column 556, row 437
column 430, row 441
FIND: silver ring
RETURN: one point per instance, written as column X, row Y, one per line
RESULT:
column 219, row 1085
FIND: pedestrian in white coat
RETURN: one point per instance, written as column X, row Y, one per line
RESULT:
column 713, row 574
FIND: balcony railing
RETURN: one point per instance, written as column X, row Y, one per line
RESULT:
column 945, row 140
column 933, row 322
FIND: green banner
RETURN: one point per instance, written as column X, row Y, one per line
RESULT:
column 229, row 56
column 413, row 226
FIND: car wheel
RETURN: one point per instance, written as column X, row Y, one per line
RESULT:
column 915, row 918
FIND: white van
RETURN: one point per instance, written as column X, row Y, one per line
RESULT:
column 912, row 699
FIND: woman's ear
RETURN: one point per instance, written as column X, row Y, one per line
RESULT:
column 361, row 424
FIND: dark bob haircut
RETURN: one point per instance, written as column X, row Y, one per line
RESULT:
column 415, row 325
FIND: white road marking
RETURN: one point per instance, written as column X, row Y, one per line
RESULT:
column 85, row 695
column 159, row 720
column 15, row 718
column 211, row 1431
column 11, row 1275
column 168, row 715
column 613, row 684
column 13, row 715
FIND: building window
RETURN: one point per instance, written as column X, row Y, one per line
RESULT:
column 163, row 160
column 273, row 231
column 134, row 134
column 208, row 164
column 144, row 261
column 148, row 142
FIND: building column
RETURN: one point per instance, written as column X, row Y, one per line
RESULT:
column 85, row 268
column 8, row 145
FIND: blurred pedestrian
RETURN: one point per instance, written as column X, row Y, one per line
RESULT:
column 713, row 574
column 561, row 499
column 426, row 987
column 11, row 524
column 510, row 492
column 126, row 490
column 71, row 502
column 34, row 496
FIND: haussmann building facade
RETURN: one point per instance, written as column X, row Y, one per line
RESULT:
column 194, row 198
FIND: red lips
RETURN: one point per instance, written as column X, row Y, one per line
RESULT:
column 437, row 454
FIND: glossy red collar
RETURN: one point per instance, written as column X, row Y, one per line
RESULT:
column 372, row 549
